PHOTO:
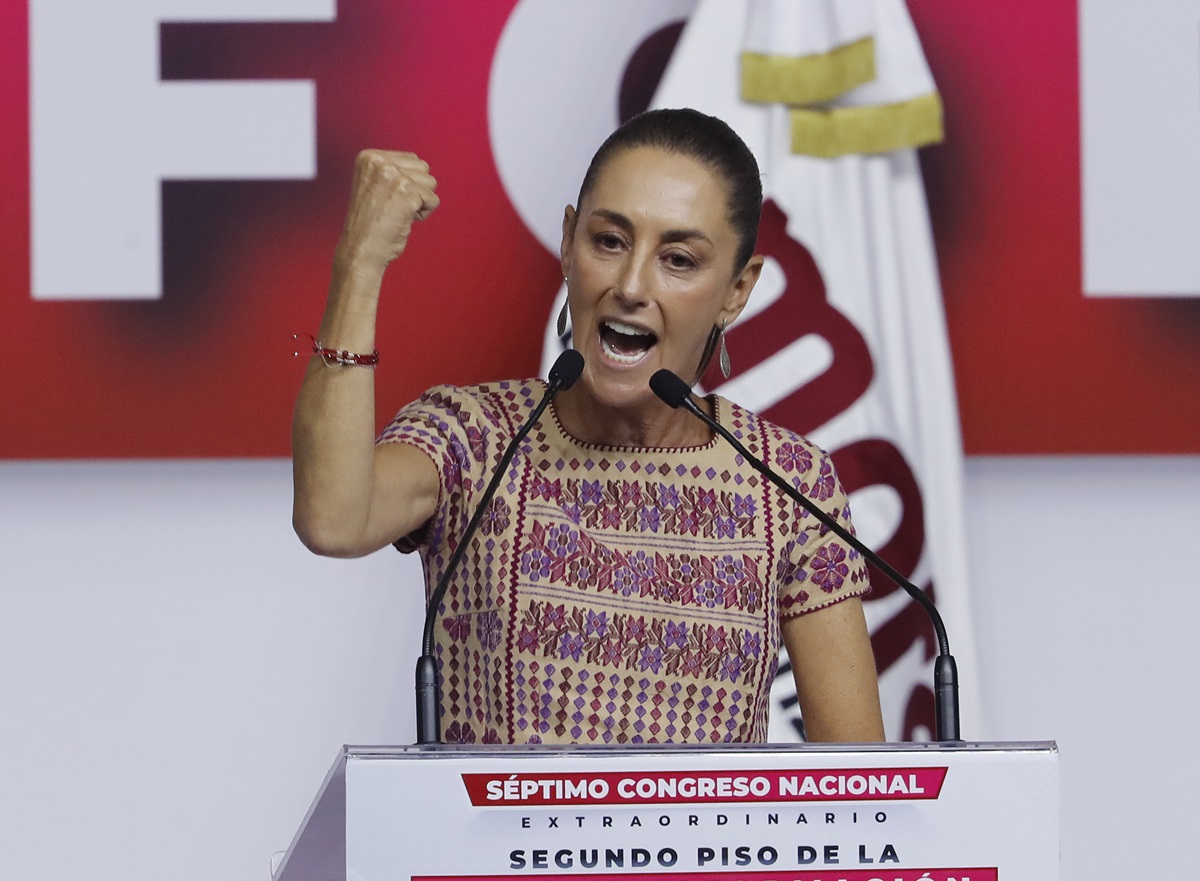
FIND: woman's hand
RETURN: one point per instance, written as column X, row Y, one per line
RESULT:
column 351, row 498
column 391, row 191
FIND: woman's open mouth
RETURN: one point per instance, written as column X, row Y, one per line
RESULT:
column 624, row 343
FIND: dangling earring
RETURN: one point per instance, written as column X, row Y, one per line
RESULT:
column 723, row 357
column 562, row 315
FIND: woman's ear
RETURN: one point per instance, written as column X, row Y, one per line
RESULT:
column 739, row 291
column 568, row 235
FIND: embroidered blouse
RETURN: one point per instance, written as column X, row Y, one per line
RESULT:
column 611, row 594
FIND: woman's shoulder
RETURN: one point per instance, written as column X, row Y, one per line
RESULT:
column 497, row 397
column 448, row 410
column 753, row 430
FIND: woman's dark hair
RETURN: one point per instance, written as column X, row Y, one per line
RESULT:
column 703, row 138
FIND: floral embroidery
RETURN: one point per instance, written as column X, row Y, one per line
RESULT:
column 527, row 640
column 652, row 657
column 634, row 505
column 570, row 646
column 458, row 732
column 459, row 456
column 590, row 492
column 825, row 485
column 668, row 495
column 488, row 630
column 477, row 440
column 685, row 578
column 671, row 647
column 610, row 653
column 793, row 457
column 828, row 567
column 650, row 519
column 597, row 624
column 616, row 596
column 495, row 521
column 743, row 506
column 676, row 634
column 543, row 488
column 555, row 615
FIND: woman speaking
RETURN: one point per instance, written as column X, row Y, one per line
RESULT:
column 633, row 577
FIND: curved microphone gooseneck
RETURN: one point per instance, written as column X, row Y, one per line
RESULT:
column 676, row 393
column 563, row 374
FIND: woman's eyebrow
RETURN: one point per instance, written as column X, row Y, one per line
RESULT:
column 671, row 235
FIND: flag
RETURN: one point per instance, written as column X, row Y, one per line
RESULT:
column 844, row 338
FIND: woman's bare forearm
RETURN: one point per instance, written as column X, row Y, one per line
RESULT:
column 348, row 498
column 834, row 670
column 333, row 427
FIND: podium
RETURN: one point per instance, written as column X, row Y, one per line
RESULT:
column 763, row 812
column 939, row 811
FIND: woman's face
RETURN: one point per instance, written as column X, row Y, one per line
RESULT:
column 649, row 261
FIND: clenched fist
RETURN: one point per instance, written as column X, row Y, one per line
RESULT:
column 391, row 191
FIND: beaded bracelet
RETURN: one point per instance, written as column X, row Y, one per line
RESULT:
column 340, row 357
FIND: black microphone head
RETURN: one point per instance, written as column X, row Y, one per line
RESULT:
column 567, row 368
column 673, row 390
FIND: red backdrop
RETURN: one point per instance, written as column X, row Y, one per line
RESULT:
column 207, row 371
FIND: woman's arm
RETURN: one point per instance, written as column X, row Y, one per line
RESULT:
column 834, row 667
column 350, row 498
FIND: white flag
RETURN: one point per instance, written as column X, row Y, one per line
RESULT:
column 845, row 336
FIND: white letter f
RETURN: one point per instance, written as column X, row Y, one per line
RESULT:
column 105, row 132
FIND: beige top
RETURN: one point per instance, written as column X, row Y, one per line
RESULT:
column 617, row 595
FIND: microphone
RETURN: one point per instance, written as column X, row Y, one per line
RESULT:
column 675, row 393
column 566, row 370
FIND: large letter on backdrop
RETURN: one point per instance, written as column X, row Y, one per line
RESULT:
column 105, row 132
column 1140, row 94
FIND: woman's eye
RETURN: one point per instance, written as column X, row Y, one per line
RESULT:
column 609, row 241
column 680, row 261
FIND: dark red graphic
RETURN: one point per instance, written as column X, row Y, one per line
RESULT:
column 802, row 309
column 976, row 873
column 706, row 787
column 207, row 370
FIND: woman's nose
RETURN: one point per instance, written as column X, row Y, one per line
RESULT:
column 633, row 283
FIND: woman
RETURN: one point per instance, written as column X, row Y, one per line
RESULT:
column 632, row 579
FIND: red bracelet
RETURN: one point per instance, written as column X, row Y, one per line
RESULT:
column 340, row 357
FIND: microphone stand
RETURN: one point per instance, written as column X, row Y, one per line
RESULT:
column 676, row 393
column 429, row 724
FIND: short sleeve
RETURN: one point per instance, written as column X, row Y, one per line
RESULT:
column 458, row 433
column 817, row 567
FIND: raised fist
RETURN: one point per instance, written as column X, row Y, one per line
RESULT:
column 391, row 191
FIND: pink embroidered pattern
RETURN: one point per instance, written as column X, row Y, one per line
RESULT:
column 617, row 595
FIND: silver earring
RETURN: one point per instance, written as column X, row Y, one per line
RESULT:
column 562, row 321
column 563, row 314
column 723, row 357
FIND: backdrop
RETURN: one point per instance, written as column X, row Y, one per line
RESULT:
column 144, row 338
column 179, row 671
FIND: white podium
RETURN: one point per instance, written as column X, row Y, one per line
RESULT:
column 886, row 812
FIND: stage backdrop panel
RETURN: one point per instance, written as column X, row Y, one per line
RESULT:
column 174, row 189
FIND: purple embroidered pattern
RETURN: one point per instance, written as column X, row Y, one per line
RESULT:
column 616, row 595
